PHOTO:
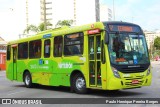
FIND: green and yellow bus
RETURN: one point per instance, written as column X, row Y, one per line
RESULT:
column 101, row 55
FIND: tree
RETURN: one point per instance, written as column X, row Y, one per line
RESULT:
column 36, row 29
column 31, row 28
column 41, row 26
column 157, row 43
column 64, row 23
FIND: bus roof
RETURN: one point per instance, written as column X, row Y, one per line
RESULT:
column 60, row 31
column 69, row 30
column 119, row 22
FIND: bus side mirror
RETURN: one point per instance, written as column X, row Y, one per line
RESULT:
column 106, row 38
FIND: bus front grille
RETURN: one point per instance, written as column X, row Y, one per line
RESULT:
column 129, row 81
column 135, row 84
column 133, row 70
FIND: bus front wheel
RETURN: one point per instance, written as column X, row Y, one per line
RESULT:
column 79, row 84
column 28, row 80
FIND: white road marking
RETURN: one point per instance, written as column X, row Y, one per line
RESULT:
column 16, row 92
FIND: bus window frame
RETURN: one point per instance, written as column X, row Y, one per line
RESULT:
column 61, row 46
column 27, row 51
column 33, row 52
column 81, row 36
column 44, row 49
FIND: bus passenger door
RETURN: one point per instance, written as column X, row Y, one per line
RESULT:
column 14, row 62
column 94, row 49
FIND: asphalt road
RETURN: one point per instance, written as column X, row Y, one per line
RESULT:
column 13, row 89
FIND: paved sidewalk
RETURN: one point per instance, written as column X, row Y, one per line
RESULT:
column 2, row 73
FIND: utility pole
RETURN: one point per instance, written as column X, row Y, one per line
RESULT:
column 132, row 19
column 43, row 13
column 74, row 3
column 97, row 10
column 26, row 14
column 113, row 11
column 44, row 7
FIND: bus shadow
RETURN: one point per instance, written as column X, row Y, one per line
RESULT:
column 48, row 88
column 91, row 92
column 115, row 93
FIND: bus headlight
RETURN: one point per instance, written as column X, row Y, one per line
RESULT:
column 148, row 71
column 115, row 72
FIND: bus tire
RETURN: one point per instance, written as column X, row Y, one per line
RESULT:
column 79, row 84
column 28, row 80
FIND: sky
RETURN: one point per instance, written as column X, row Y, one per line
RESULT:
column 7, row 24
column 145, row 13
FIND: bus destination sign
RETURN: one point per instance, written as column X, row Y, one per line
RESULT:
column 124, row 28
column 47, row 35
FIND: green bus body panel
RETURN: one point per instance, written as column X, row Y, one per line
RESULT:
column 51, row 73
column 56, row 71
column 9, row 70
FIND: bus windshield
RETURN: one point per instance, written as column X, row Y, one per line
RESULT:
column 128, row 48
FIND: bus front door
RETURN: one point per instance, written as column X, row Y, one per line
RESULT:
column 14, row 63
column 94, row 49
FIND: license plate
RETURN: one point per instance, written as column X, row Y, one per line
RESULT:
column 135, row 81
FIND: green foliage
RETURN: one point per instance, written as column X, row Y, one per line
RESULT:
column 36, row 29
column 157, row 53
column 41, row 26
column 31, row 28
column 64, row 23
column 157, row 43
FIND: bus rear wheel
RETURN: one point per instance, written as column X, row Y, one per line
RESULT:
column 79, row 84
column 27, row 80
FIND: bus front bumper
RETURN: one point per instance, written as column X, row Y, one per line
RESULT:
column 132, row 81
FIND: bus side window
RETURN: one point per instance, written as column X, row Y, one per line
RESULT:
column 8, row 52
column 47, row 44
column 73, row 44
column 58, row 43
column 75, row 50
column 23, row 50
column 35, row 49
column 67, row 50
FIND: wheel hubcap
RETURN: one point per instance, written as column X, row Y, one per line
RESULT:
column 80, row 83
column 27, row 80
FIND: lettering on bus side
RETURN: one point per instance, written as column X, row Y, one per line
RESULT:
column 35, row 66
column 65, row 65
